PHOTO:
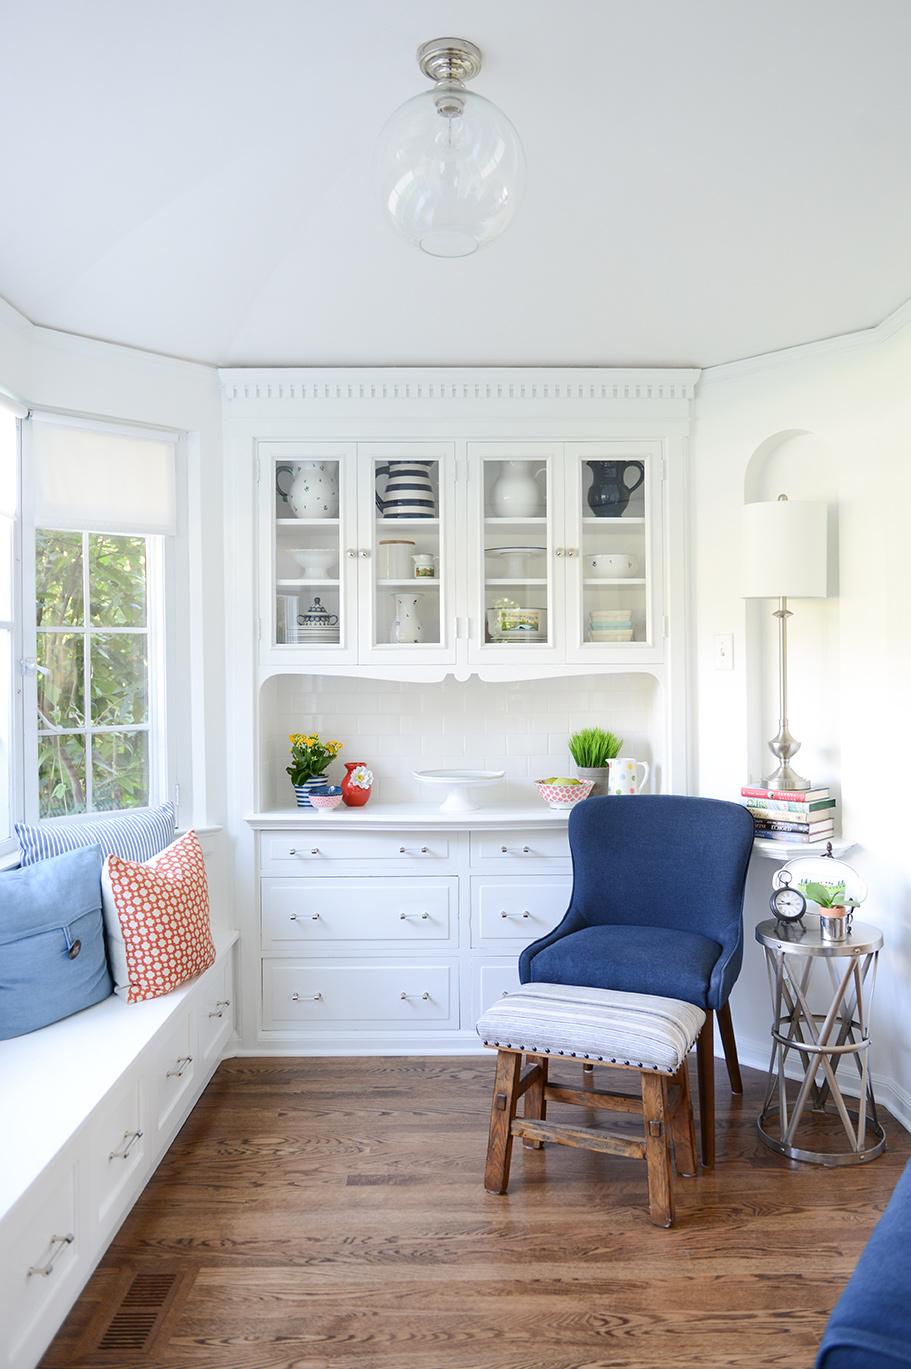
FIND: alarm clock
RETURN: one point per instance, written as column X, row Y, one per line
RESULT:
column 787, row 904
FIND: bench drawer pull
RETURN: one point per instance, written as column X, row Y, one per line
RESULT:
column 182, row 1062
column 61, row 1242
column 130, row 1137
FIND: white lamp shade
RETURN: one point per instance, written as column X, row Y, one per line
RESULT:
column 784, row 550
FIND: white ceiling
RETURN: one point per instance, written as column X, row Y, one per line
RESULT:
column 707, row 180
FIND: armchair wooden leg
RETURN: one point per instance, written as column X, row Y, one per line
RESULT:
column 502, row 1112
column 535, row 1104
column 682, row 1127
column 726, row 1028
column 657, row 1149
column 705, row 1061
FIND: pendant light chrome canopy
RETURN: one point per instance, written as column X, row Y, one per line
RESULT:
column 450, row 169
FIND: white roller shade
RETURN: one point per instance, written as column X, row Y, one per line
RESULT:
column 784, row 550
column 103, row 480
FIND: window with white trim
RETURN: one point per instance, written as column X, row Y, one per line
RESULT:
column 102, row 512
column 9, row 482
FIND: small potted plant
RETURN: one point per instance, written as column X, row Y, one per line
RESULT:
column 836, row 913
column 592, row 748
column 309, row 760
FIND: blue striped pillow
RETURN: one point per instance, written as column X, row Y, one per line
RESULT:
column 132, row 836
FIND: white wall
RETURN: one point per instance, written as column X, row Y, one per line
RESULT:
column 48, row 369
column 839, row 419
column 397, row 727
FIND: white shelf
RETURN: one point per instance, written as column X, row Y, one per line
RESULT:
column 538, row 521
column 306, row 522
column 295, row 584
column 402, row 523
column 516, row 580
column 613, row 522
column 787, row 850
column 597, row 581
column 416, row 582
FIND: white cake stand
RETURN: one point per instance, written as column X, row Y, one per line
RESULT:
column 459, row 784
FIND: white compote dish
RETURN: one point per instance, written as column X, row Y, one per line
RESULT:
column 459, row 784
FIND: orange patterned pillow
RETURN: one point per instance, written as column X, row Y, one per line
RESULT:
column 156, row 917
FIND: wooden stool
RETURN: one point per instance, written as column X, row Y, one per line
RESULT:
column 637, row 1032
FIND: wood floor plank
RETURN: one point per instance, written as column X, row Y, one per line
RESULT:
column 330, row 1214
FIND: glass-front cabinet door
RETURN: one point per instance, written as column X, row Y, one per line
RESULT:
column 308, row 574
column 612, row 553
column 515, row 502
column 406, row 591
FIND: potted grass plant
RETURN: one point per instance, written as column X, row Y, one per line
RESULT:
column 593, row 748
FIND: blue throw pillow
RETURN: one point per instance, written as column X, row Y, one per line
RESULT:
column 52, row 958
column 132, row 836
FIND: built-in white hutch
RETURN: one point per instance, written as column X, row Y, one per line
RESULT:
column 389, row 928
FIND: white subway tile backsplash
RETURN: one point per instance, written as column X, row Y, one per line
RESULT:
column 521, row 727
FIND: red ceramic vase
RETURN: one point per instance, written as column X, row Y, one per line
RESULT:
column 353, row 795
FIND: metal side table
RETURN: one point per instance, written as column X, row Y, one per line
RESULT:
column 820, row 1041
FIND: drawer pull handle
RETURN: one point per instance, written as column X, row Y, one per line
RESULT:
column 314, row 851
column 422, row 916
column 424, row 996
column 130, row 1137
column 46, row 1270
column 219, row 1007
column 505, row 851
column 182, row 1062
column 424, row 851
column 525, row 914
column 306, row 997
column 314, row 917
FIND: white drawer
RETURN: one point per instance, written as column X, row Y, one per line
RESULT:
column 214, row 1001
column 40, row 1266
column 284, row 853
column 402, row 996
column 116, row 1152
column 501, row 850
column 317, row 915
column 174, row 1069
column 493, row 982
column 516, row 909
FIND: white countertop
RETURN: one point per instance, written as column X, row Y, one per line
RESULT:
column 399, row 816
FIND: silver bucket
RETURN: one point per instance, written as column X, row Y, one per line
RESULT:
column 837, row 928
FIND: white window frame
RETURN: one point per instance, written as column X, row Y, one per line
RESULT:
column 161, row 572
column 15, row 776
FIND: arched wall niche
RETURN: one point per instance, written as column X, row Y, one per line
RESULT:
column 797, row 463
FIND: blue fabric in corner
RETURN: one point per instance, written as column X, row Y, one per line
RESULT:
column 870, row 1327
column 52, row 956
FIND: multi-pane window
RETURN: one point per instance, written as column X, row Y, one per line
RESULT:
column 94, row 693
column 8, row 491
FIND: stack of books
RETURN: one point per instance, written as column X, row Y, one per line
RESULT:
column 791, row 815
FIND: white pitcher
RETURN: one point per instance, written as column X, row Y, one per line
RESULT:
column 313, row 492
column 408, row 627
column 622, row 778
column 516, row 493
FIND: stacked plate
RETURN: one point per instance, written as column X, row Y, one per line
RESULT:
column 610, row 625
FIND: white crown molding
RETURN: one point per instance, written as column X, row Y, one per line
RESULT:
column 455, row 389
column 811, row 352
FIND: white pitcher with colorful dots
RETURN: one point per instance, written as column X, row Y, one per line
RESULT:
column 623, row 779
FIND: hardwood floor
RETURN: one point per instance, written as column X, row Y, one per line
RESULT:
column 325, row 1214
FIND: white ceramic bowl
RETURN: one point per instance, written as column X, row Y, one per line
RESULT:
column 315, row 562
column 603, row 617
column 612, row 565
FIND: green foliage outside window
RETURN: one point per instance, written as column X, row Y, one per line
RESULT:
column 91, row 677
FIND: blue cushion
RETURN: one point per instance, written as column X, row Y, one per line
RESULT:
column 870, row 1327
column 132, row 836
column 52, row 959
column 652, row 960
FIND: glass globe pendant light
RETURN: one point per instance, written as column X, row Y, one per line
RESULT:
column 450, row 169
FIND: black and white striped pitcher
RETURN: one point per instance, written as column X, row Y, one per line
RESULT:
column 409, row 491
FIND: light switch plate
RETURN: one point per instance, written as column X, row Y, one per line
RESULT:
column 724, row 651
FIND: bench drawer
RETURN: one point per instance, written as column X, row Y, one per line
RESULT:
column 214, row 1001
column 404, row 995
column 502, row 850
column 40, row 1266
column 323, row 914
column 175, row 1069
column 117, row 1152
column 285, row 853
column 515, row 909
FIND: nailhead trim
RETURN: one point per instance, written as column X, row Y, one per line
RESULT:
column 536, row 1050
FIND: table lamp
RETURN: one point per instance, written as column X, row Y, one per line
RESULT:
column 784, row 557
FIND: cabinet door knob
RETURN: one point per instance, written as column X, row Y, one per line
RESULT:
column 46, row 1270
column 364, row 552
column 559, row 551
column 572, row 551
column 306, row 997
column 351, row 553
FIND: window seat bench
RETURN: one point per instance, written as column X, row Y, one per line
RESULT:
column 89, row 1106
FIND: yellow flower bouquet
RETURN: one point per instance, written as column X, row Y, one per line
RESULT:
column 309, row 756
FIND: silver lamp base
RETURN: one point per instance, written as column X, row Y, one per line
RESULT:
column 784, row 745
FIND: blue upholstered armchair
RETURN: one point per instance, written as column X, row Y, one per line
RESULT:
column 656, row 907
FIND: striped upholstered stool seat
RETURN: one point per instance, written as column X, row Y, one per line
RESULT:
column 636, row 1032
